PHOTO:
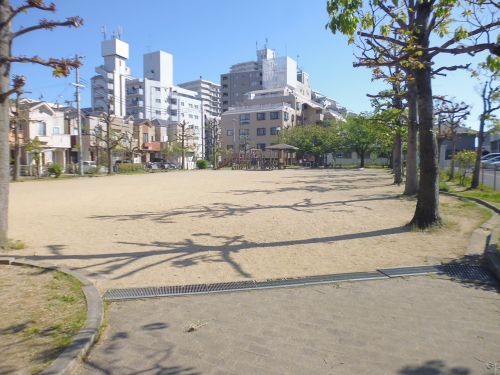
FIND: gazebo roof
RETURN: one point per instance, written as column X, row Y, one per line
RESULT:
column 282, row 146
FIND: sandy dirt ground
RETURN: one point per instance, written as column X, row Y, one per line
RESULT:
column 212, row 226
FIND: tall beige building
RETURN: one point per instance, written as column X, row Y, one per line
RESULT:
column 263, row 114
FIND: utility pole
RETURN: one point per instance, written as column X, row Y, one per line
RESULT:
column 78, row 118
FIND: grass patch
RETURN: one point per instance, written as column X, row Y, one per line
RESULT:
column 14, row 245
column 42, row 311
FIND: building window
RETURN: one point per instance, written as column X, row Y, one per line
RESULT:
column 274, row 130
column 173, row 112
column 196, row 117
column 196, row 106
column 182, row 104
column 158, row 113
column 190, row 105
column 261, row 116
column 173, row 101
column 244, row 132
column 261, row 131
column 224, row 102
column 145, row 138
column 230, row 132
column 275, row 115
column 41, row 128
column 158, row 101
column 224, row 94
column 261, row 146
column 56, row 131
column 190, row 116
column 285, row 116
column 245, row 118
column 157, row 89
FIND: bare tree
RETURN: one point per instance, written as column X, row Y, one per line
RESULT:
column 490, row 95
column 108, row 136
column 214, row 130
column 60, row 67
column 450, row 117
column 183, row 138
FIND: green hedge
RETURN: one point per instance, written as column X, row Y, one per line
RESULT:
column 55, row 169
column 202, row 164
column 129, row 168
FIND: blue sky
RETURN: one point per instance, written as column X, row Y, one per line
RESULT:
column 206, row 38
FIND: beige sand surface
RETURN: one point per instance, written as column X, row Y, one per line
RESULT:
column 209, row 226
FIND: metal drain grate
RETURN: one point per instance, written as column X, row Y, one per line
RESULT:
column 409, row 271
column 178, row 290
column 467, row 273
column 458, row 272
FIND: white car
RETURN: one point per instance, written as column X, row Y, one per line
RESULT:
column 490, row 160
column 490, row 156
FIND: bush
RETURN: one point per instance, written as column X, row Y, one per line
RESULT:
column 129, row 168
column 55, row 169
column 202, row 164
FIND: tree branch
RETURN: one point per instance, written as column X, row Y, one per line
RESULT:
column 49, row 25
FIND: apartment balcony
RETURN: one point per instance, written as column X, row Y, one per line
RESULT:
column 131, row 91
column 57, row 141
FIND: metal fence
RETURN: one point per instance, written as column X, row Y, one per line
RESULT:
column 490, row 176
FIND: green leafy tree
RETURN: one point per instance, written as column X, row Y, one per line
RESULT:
column 412, row 34
column 360, row 133
column 60, row 67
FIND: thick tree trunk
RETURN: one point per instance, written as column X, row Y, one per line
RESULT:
column 479, row 152
column 427, row 210
column 4, row 123
column 397, row 157
column 411, row 181
column 362, row 159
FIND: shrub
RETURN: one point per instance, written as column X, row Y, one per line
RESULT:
column 465, row 161
column 55, row 169
column 202, row 164
column 129, row 168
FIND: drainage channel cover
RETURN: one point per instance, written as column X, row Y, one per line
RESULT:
column 409, row 271
column 467, row 273
column 455, row 271
column 177, row 290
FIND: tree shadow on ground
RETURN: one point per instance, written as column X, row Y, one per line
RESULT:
column 203, row 248
column 222, row 210
column 435, row 367
column 153, row 362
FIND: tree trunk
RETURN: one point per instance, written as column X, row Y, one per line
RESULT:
column 427, row 210
column 453, row 151
column 397, row 157
column 479, row 152
column 108, row 148
column 411, row 182
column 17, row 147
column 4, row 123
column 362, row 159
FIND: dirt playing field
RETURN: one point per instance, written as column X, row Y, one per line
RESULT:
column 208, row 226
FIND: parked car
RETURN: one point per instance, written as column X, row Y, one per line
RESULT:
column 491, row 161
column 90, row 165
column 490, row 156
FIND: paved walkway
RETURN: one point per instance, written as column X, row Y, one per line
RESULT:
column 415, row 326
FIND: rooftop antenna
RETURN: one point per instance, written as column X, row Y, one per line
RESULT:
column 298, row 56
column 265, row 45
column 119, row 32
column 103, row 31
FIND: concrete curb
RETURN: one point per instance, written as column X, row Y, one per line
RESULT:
column 482, row 237
column 70, row 357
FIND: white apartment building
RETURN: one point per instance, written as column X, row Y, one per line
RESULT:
column 109, row 85
column 209, row 93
